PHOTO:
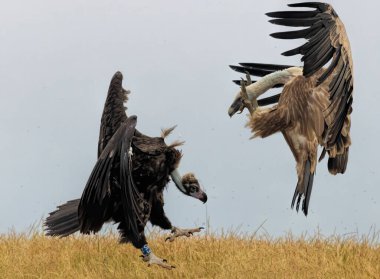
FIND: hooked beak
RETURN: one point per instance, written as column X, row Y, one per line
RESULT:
column 200, row 195
column 236, row 106
column 177, row 179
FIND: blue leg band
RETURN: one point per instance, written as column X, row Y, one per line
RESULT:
column 146, row 250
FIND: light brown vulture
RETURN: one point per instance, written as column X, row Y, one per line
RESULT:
column 314, row 107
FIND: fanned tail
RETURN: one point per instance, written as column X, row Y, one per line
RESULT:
column 63, row 221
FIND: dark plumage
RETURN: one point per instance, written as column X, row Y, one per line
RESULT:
column 126, row 185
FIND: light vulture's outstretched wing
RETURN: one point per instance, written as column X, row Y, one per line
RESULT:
column 96, row 201
column 113, row 112
column 327, row 40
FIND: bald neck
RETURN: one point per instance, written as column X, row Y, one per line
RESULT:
column 267, row 82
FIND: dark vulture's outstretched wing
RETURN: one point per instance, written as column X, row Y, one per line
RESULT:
column 115, row 138
column 114, row 162
column 96, row 201
column 113, row 112
column 327, row 40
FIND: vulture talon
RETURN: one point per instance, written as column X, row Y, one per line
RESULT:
column 246, row 103
column 177, row 232
column 248, row 77
column 152, row 259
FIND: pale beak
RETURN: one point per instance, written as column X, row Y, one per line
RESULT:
column 235, row 107
column 200, row 195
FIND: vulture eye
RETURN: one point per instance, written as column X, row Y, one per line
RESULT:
column 193, row 189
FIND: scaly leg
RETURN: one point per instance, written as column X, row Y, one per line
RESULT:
column 151, row 258
column 177, row 232
column 141, row 243
column 250, row 105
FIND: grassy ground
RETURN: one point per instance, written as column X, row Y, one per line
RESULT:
column 223, row 256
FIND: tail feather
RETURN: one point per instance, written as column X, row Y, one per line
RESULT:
column 306, row 201
column 338, row 164
column 63, row 221
column 304, row 190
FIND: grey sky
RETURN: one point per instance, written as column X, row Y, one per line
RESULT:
column 57, row 60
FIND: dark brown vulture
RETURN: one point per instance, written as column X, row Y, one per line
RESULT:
column 126, row 185
column 314, row 107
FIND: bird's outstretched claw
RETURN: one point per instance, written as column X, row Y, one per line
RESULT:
column 153, row 259
column 177, row 232
column 246, row 103
column 248, row 77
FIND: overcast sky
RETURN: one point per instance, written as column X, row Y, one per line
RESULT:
column 57, row 58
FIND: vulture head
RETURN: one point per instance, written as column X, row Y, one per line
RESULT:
column 237, row 105
column 189, row 185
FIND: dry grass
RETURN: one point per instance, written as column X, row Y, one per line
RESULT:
column 225, row 256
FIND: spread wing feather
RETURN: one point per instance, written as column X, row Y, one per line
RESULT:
column 134, row 206
column 327, row 41
column 96, row 198
column 113, row 112
column 258, row 69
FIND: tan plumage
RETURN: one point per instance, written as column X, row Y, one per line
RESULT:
column 315, row 105
column 166, row 132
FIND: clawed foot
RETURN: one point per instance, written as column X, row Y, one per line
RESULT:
column 250, row 105
column 153, row 259
column 177, row 232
